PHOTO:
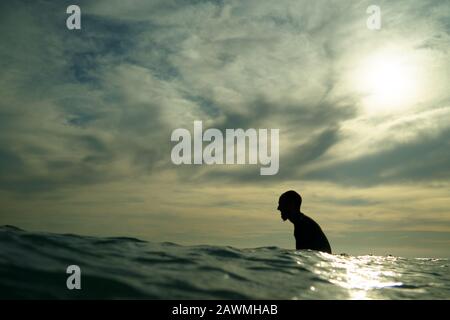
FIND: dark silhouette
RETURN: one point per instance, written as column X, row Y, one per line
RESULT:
column 308, row 234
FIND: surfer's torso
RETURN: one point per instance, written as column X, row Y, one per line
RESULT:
column 309, row 235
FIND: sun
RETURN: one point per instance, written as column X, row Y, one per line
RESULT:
column 388, row 81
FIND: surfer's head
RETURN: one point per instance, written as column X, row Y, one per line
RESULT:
column 289, row 204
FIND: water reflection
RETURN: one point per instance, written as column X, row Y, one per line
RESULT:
column 361, row 276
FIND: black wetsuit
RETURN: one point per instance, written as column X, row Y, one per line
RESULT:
column 309, row 235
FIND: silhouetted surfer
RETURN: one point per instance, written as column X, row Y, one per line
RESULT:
column 308, row 234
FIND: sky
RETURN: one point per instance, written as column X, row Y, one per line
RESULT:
column 363, row 115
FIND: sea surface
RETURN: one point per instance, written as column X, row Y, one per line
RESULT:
column 33, row 266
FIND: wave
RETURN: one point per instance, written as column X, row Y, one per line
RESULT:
column 33, row 266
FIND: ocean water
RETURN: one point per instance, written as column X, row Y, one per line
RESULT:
column 33, row 266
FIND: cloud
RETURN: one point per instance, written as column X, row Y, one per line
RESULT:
column 423, row 160
column 115, row 90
